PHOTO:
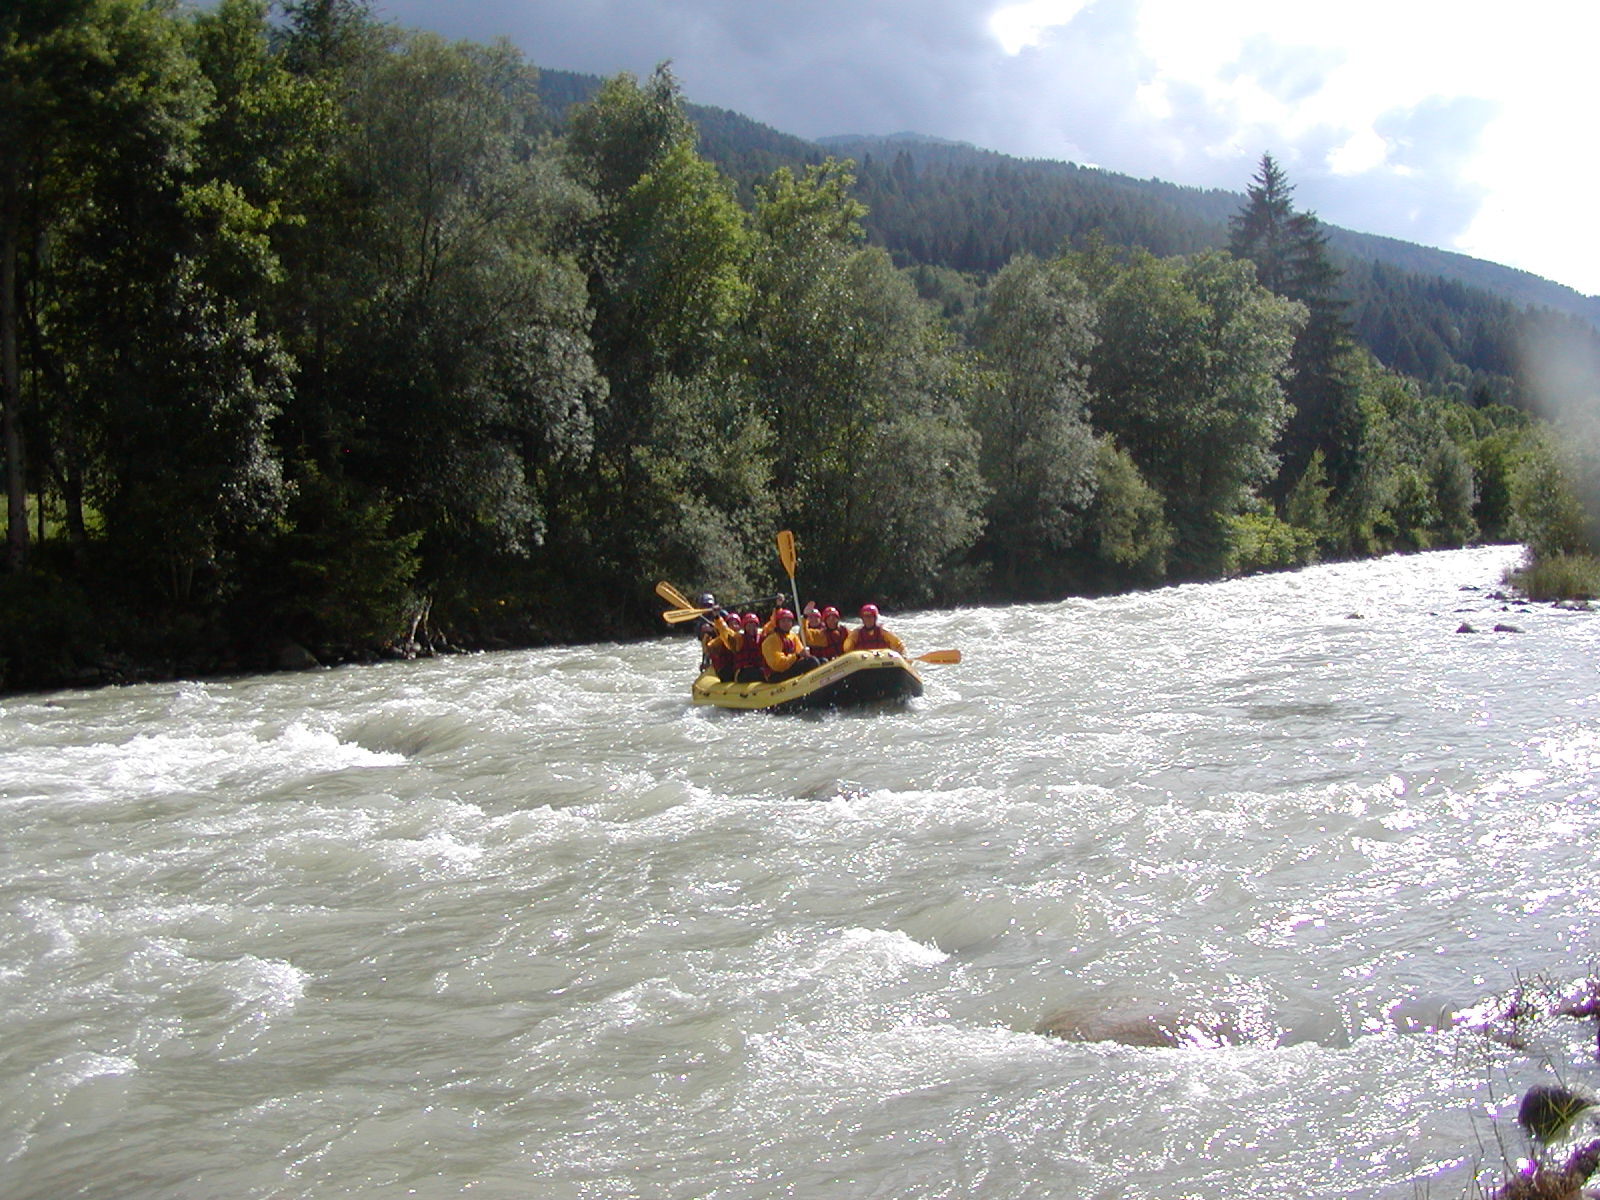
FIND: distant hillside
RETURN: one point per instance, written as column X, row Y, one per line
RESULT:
column 1194, row 215
column 1520, row 287
column 1450, row 320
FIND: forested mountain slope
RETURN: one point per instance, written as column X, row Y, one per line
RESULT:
column 1172, row 214
column 1452, row 321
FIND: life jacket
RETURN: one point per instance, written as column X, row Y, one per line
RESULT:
column 712, row 652
column 835, row 646
column 791, row 645
column 748, row 653
column 718, row 657
column 871, row 638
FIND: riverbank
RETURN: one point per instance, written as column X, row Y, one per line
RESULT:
column 55, row 642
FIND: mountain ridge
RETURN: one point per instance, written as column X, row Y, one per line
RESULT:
column 750, row 150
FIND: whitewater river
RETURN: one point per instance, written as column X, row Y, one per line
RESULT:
column 1178, row 894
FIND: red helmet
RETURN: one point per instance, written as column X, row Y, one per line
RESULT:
column 750, row 621
column 869, row 610
column 830, row 611
column 781, row 614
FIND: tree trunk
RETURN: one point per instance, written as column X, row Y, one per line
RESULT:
column 11, row 381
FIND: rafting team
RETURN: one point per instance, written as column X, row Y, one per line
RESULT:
column 744, row 649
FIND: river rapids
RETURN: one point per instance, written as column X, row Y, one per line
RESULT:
column 1207, row 892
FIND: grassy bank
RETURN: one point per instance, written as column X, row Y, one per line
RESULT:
column 1558, row 577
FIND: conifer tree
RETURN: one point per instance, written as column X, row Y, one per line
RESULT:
column 1290, row 253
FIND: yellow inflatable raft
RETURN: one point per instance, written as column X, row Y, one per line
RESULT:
column 859, row 677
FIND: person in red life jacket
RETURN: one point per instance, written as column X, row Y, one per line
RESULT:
column 744, row 645
column 780, row 602
column 709, row 628
column 783, row 654
column 869, row 635
column 717, row 656
column 823, row 633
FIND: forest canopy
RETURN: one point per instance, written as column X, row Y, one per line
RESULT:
column 324, row 335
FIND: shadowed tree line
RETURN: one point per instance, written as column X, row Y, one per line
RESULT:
column 321, row 333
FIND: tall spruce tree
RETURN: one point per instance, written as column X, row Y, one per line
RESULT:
column 1290, row 253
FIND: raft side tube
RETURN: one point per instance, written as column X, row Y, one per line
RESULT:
column 860, row 677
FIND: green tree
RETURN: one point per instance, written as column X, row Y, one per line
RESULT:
column 1290, row 254
column 328, row 39
column 97, row 112
column 1187, row 378
column 155, row 379
column 1551, row 517
column 458, row 379
column 1361, row 519
column 1039, row 454
column 875, row 464
column 1310, row 503
column 665, row 255
column 1126, row 537
column 338, row 577
column 1430, row 491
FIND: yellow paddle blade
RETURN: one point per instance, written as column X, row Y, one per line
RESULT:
column 939, row 656
column 673, row 596
column 786, row 551
column 677, row 616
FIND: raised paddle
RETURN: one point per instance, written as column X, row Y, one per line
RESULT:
column 939, row 656
column 677, row 616
column 786, row 557
column 673, row 596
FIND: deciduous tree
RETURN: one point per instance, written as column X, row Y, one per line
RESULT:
column 1039, row 454
column 1187, row 377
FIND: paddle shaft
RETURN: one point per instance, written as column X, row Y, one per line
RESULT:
column 786, row 556
column 677, row 616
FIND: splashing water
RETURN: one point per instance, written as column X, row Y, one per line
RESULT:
column 1173, row 894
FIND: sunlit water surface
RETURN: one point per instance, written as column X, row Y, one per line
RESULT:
column 530, row 925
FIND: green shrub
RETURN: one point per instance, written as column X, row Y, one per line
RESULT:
column 49, row 630
column 1126, row 531
column 1558, row 577
column 336, row 575
column 1549, row 516
column 1259, row 541
column 1310, row 502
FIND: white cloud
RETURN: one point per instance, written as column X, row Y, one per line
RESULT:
column 1018, row 26
column 1365, row 151
column 1461, row 126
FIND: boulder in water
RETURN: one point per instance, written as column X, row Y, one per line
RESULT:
column 1548, row 1110
column 1146, row 1029
column 289, row 655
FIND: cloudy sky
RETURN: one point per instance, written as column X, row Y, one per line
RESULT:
column 1465, row 125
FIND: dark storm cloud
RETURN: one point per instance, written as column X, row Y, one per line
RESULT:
column 833, row 66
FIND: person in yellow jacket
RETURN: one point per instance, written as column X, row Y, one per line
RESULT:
column 869, row 635
column 742, row 640
column 822, row 631
column 783, row 654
